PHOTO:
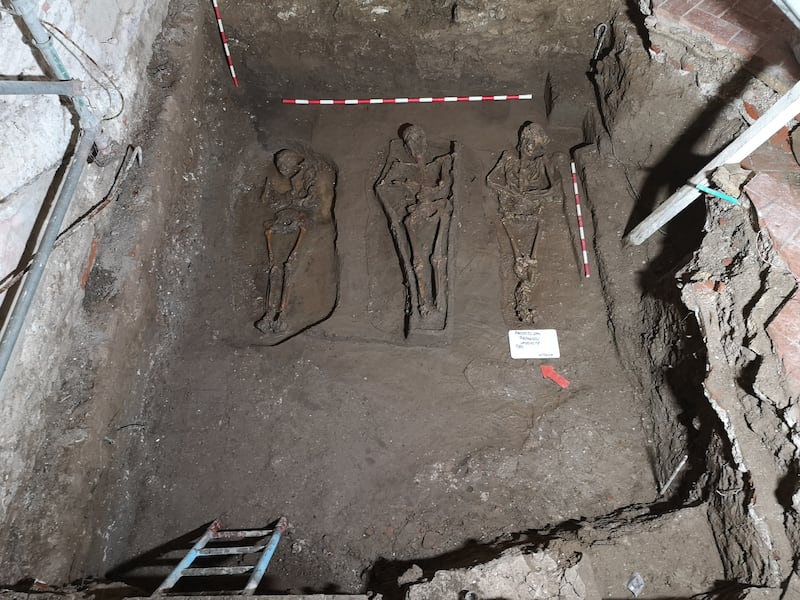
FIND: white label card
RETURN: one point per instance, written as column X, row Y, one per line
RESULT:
column 533, row 343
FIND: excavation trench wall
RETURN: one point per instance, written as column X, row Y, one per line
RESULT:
column 711, row 377
column 52, row 411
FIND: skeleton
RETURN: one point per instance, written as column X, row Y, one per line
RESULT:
column 293, row 206
column 523, row 182
column 416, row 195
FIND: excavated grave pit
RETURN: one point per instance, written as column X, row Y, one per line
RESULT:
column 376, row 445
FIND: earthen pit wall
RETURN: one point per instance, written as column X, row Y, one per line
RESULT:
column 751, row 480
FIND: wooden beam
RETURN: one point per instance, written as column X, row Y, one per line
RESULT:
column 783, row 111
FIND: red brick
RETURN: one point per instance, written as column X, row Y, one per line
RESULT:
column 790, row 68
column 704, row 286
column 791, row 358
column 746, row 43
column 749, row 9
column 751, row 110
column 776, row 190
column 764, row 206
column 775, row 52
column 781, row 140
column 718, row 29
column 765, row 210
column 783, row 225
column 790, row 252
column 769, row 159
column 677, row 8
column 89, row 264
column 785, row 328
column 765, row 190
column 716, row 8
column 773, row 20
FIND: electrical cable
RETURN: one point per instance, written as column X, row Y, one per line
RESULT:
column 60, row 34
column 60, row 39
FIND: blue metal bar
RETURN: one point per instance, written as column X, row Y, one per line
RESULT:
column 187, row 560
column 69, row 88
column 717, row 194
column 263, row 562
column 28, row 292
column 89, row 132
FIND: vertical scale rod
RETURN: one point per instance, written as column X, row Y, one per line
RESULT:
column 580, row 218
column 225, row 42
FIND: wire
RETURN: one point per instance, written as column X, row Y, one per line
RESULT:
column 55, row 29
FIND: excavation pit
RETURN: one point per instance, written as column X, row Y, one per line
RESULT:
column 376, row 441
column 387, row 441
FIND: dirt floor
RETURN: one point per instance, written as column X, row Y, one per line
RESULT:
column 372, row 445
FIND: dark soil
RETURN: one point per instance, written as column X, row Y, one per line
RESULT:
column 372, row 445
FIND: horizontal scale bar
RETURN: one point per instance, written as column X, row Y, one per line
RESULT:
column 403, row 100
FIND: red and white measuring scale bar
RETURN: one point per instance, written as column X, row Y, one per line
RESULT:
column 580, row 219
column 225, row 42
column 417, row 100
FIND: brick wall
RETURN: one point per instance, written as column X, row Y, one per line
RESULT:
column 755, row 30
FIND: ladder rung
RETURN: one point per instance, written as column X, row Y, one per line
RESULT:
column 208, row 571
column 219, row 551
column 238, row 535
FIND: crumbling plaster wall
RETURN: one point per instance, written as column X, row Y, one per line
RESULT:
column 35, row 134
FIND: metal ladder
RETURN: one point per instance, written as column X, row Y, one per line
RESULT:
column 266, row 541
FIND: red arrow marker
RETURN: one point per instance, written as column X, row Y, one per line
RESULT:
column 550, row 373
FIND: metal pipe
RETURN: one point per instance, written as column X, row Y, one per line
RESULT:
column 28, row 292
column 44, row 42
column 187, row 560
column 87, row 138
column 783, row 111
column 263, row 562
column 70, row 88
